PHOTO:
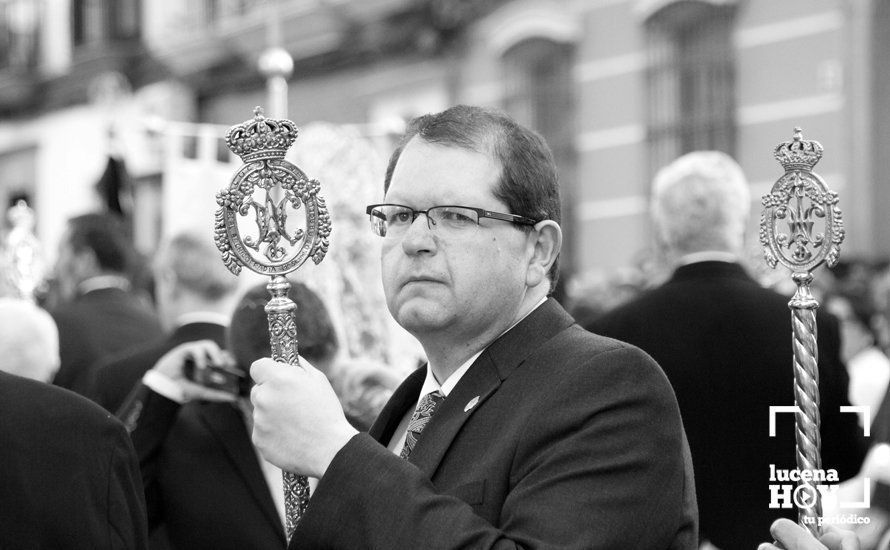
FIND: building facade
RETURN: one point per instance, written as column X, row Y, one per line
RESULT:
column 618, row 87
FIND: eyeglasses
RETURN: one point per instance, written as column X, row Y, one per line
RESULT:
column 393, row 220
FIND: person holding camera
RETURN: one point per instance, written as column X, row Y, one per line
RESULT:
column 190, row 422
column 195, row 296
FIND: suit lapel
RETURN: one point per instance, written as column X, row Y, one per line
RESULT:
column 479, row 382
column 517, row 344
column 224, row 421
column 482, row 379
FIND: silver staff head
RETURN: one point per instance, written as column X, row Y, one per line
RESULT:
column 813, row 227
column 273, row 190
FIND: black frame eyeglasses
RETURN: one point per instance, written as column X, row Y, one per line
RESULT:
column 389, row 220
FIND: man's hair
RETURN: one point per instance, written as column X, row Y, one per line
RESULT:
column 104, row 235
column 194, row 262
column 248, row 337
column 701, row 201
column 29, row 340
column 529, row 183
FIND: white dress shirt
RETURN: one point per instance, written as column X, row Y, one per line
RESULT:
column 271, row 473
column 100, row 282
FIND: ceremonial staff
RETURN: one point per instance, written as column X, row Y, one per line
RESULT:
column 22, row 259
column 273, row 190
column 798, row 200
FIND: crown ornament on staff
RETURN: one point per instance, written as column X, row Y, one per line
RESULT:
column 801, row 227
column 798, row 154
column 261, row 138
column 274, row 191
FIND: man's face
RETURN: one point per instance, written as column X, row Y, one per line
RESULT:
column 463, row 285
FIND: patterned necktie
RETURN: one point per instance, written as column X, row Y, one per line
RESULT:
column 420, row 419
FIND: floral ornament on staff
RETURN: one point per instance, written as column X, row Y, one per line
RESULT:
column 801, row 197
column 262, row 144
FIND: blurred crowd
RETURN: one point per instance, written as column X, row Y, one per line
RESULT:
column 855, row 291
column 144, row 339
column 107, row 301
column 117, row 317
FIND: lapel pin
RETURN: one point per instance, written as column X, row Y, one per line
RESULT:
column 471, row 403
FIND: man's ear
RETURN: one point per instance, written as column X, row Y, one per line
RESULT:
column 545, row 242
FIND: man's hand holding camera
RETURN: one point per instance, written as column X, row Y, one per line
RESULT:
column 199, row 370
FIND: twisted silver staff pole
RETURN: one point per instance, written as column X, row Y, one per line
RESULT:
column 263, row 196
column 812, row 233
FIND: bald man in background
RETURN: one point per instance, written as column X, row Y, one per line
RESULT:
column 29, row 340
column 70, row 478
column 723, row 341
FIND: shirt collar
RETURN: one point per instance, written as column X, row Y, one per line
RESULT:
column 708, row 256
column 430, row 384
column 211, row 317
column 103, row 281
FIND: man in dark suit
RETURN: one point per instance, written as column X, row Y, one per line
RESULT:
column 204, row 480
column 99, row 315
column 69, row 476
column 724, row 342
column 195, row 296
column 523, row 430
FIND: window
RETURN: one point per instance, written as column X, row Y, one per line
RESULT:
column 98, row 21
column 538, row 86
column 19, row 28
column 124, row 19
column 539, row 95
column 18, row 172
column 209, row 13
column 690, row 80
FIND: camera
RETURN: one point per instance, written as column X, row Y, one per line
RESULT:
column 218, row 377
